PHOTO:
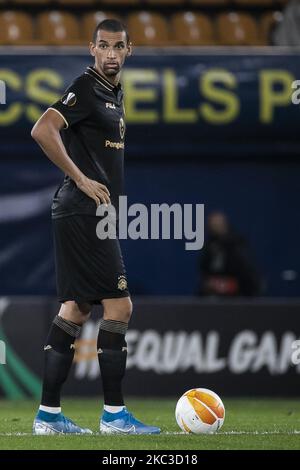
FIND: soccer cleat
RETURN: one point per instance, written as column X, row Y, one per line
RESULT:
column 124, row 423
column 60, row 425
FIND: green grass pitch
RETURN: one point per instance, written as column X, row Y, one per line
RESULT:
column 249, row 424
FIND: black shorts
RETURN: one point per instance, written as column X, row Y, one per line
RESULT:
column 87, row 269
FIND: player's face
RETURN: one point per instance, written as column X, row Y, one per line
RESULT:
column 110, row 52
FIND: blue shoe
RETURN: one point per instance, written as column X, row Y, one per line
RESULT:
column 45, row 424
column 124, row 423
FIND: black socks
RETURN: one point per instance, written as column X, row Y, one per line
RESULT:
column 112, row 355
column 59, row 353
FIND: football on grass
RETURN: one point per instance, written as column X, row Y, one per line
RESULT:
column 200, row 411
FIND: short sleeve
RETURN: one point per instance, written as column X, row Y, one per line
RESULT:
column 76, row 103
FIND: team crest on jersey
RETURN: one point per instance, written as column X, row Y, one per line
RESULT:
column 122, row 282
column 69, row 99
column 122, row 128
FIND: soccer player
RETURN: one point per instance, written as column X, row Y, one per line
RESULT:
column 83, row 134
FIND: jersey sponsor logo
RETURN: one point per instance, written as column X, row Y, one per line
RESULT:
column 69, row 99
column 122, row 128
column 122, row 282
column 110, row 105
column 116, row 145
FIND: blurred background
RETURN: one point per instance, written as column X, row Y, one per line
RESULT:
column 211, row 119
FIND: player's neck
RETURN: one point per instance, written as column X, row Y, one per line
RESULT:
column 113, row 80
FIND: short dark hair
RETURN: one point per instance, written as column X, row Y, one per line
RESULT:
column 114, row 26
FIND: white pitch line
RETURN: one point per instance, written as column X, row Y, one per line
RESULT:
column 222, row 433
column 238, row 433
column 260, row 433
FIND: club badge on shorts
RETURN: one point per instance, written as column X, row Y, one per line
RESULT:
column 122, row 282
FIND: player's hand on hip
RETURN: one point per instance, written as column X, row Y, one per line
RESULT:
column 94, row 190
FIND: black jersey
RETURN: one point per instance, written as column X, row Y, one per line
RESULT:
column 92, row 109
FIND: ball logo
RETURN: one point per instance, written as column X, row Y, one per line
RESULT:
column 69, row 99
column 122, row 128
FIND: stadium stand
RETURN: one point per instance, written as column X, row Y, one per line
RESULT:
column 254, row 2
column 121, row 3
column 210, row 2
column 192, row 29
column 151, row 22
column 164, row 2
column 58, row 28
column 16, row 28
column 30, row 2
column 75, row 2
column 148, row 29
column 90, row 21
column 268, row 22
column 237, row 29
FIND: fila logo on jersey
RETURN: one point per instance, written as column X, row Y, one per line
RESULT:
column 110, row 105
column 69, row 99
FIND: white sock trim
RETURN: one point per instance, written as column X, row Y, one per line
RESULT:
column 113, row 409
column 50, row 409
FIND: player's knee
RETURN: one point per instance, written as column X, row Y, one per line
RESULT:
column 75, row 312
column 117, row 309
column 127, row 310
column 123, row 310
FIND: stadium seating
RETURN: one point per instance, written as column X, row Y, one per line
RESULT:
column 90, row 21
column 76, row 2
column 251, row 3
column 167, row 22
column 210, row 2
column 30, row 2
column 192, row 29
column 148, row 29
column 121, row 3
column 268, row 22
column 56, row 27
column 165, row 2
column 237, row 29
column 16, row 28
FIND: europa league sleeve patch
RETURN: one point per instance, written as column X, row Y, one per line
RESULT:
column 69, row 99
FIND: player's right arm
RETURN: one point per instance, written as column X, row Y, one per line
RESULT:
column 46, row 132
